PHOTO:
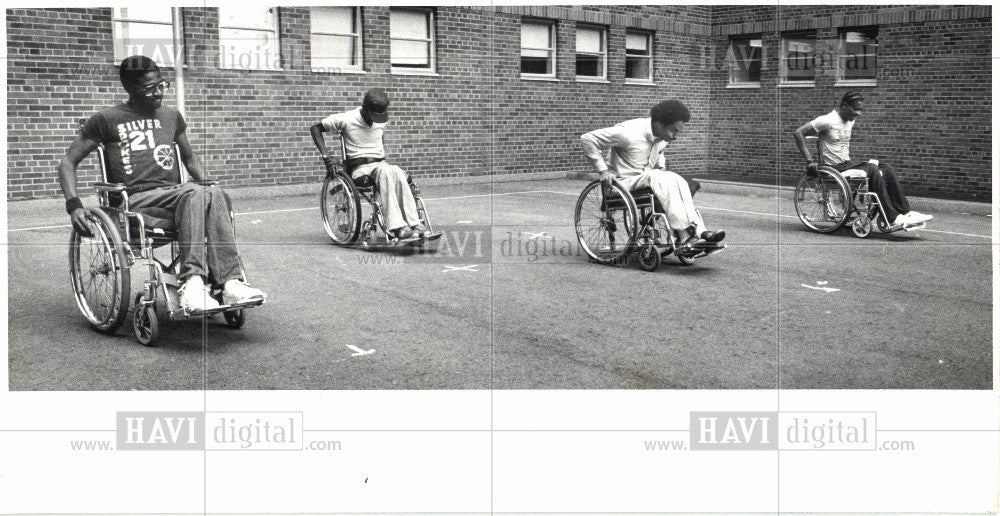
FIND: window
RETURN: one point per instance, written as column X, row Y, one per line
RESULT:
column 591, row 53
column 638, row 56
column 411, row 40
column 744, row 60
column 858, row 55
column 335, row 38
column 148, row 31
column 798, row 59
column 248, row 38
column 538, row 48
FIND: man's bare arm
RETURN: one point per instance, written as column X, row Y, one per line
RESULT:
column 800, row 140
column 78, row 150
column 191, row 160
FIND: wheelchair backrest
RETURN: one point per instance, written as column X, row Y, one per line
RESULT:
column 102, row 159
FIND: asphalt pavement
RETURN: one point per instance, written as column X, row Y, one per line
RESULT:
column 510, row 302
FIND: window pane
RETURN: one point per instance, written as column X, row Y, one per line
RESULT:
column 859, row 58
column 637, row 67
column 409, row 24
column 260, row 18
column 745, row 60
column 636, row 42
column 249, row 49
column 589, row 66
column 537, row 65
column 412, row 54
column 146, row 13
column 332, row 19
column 154, row 41
column 799, row 65
column 333, row 51
column 589, row 40
column 535, row 35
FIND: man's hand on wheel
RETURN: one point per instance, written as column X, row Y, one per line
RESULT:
column 607, row 177
column 80, row 222
column 331, row 163
column 812, row 167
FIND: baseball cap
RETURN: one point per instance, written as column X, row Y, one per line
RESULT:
column 376, row 104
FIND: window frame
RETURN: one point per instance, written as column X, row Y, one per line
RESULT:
column 115, row 20
column 277, row 41
column 731, row 60
column 359, row 52
column 431, row 40
column 553, row 51
column 783, row 80
column 842, row 54
column 603, row 31
column 650, row 41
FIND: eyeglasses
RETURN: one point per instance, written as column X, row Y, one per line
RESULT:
column 153, row 89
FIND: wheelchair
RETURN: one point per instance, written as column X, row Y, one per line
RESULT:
column 100, row 266
column 345, row 221
column 612, row 222
column 828, row 199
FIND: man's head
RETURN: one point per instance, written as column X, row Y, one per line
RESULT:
column 668, row 119
column 141, row 79
column 375, row 106
column 851, row 105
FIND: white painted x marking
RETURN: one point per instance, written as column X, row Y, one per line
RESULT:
column 471, row 268
column 532, row 236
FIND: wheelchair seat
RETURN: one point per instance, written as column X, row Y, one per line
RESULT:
column 364, row 182
column 854, row 173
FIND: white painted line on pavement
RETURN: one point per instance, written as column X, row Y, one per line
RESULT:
column 470, row 268
column 359, row 352
column 824, row 289
column 532, row 236
column 38, row 228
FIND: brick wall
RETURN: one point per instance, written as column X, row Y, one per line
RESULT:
column 478, row 116
column 928, row 115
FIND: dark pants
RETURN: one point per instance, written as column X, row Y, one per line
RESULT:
column 200, row 213
column 882, row 182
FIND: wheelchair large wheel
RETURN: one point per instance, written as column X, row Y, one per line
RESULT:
column 605, row 221
column 341, row 207
column 823, row 201
column 99, row 271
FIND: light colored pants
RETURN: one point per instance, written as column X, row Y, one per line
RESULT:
column 398, row 206
column 673, row 193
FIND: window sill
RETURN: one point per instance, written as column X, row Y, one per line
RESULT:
column 544, row 78
column 797, row 84
column 338, row 71
column 252, row 69
column 406, row 71
column 743, row 85
column 640, row 82
column 597, row 80
column 857, row 82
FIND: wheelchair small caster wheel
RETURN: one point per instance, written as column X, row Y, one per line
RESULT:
column 686, row 257
column 861, row 226
column 234, row 318
column 880, row 223
column 649, row 257
column 145, row 324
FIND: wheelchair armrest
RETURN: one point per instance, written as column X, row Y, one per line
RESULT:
column 109, row 187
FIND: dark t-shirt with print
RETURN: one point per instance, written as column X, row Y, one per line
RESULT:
column 138, row 147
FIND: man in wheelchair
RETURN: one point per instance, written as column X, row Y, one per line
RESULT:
column 362, row 130
column 637, row 161
column 138, row 138
column 834, row 133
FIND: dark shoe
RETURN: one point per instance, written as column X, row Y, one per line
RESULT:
column 713, row 236
column 690, row 242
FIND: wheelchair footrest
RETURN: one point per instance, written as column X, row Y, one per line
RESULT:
column 223, row 308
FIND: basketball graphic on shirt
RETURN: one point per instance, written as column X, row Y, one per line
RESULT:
column 164, row 156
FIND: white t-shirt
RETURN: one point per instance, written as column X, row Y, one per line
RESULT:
column 834, row 138
column 360, row 139
column 634, row 148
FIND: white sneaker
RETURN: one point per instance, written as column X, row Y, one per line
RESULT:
column 902, row 220
column 235, row 291
column 194, row 296
column 916, row 217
